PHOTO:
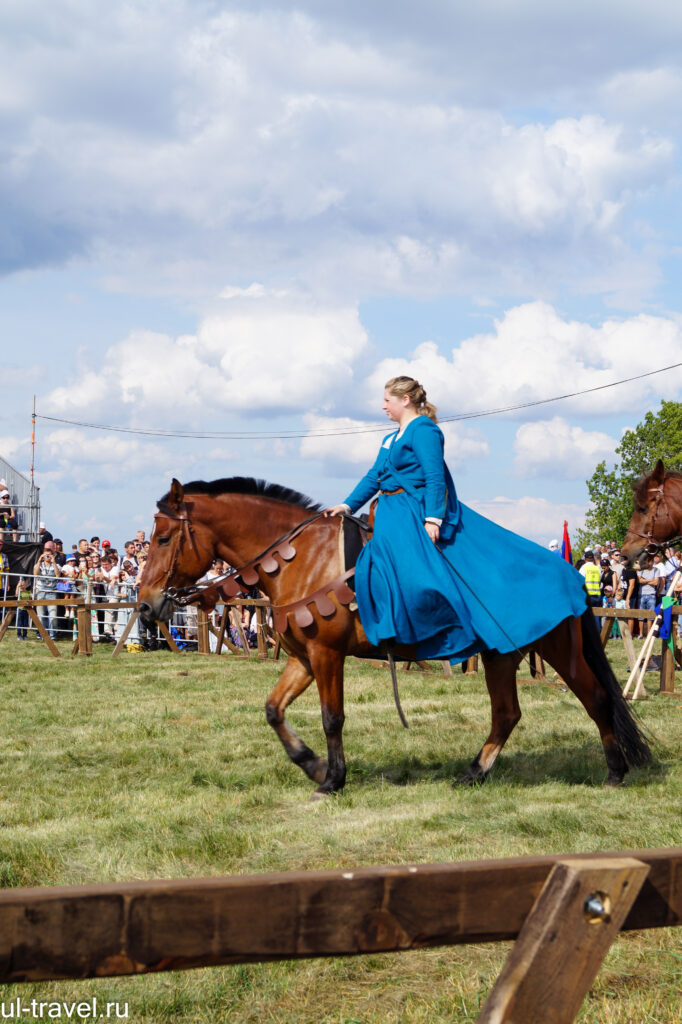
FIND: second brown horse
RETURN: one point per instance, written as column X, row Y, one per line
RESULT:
column 248, row 522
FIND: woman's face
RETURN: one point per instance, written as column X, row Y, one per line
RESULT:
column 394, row 406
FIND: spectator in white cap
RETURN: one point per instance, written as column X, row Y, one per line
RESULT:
column 553, row 545
column 44, row 534
column 8, row 519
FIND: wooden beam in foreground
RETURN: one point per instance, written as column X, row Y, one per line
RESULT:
column 564, row 940
column 137, row 927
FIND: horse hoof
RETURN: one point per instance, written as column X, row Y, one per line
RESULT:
column 614, row 781
column 319, row 795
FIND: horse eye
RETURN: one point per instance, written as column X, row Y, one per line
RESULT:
column 642, row 510
column 162, row 541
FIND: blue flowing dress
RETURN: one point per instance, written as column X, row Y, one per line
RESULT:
column 506, row 591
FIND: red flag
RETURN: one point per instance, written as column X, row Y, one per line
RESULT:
column 566, row 545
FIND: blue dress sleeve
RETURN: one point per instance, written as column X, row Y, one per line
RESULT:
column 427, row 444
column 367, row 487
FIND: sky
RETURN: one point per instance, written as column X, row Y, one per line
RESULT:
column 243, row 218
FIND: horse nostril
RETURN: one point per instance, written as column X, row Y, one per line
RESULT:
column 144, row 609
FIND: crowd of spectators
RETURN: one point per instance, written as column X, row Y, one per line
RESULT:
column 93, row 569
column 612, row 583
column 106, row 575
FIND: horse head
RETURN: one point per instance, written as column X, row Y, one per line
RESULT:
column 181, row 550
column 657, row 515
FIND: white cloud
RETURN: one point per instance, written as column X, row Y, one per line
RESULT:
column 80, row 460
column 533, row 354
column 555, row 449
column 536, row 518
column 11, row 447
column 649, row 94
column 346, row 445
column 272, row 144
column 252, row 355
column 342, row 453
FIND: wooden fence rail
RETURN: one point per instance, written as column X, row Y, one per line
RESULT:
column 564, row 912
column 267, row 638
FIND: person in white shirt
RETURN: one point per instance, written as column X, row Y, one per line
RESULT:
column 111, row 590
column 669, row 564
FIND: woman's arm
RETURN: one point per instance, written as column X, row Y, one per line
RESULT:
column 365, row 489
column 427, row 444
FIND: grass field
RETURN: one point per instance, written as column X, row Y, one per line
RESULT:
column 161, row 765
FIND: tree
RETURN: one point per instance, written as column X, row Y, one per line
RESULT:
column 658, row 436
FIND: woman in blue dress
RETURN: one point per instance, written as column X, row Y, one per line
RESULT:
column 435, row 573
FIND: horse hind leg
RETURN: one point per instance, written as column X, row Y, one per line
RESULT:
column 295, row 678
column 500, row 678
column 598, row 691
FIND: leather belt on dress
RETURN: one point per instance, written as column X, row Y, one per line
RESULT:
column 373, row 508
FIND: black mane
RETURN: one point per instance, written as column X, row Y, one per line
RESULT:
column 247, row 485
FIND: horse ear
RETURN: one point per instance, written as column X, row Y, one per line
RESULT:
column 658, row 474
column 176, row 495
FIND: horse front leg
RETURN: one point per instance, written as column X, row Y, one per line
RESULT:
column 500, row 678
column 295, row 678
column 327, row 665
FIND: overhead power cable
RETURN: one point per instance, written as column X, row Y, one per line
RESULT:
column 253, row 435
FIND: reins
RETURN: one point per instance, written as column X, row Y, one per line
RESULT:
column 183, row 595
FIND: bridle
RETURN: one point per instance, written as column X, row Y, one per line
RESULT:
column 187, row 531
column 247, row 571
column 652, row 544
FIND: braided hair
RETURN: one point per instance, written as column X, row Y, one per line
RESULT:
column 400, row 386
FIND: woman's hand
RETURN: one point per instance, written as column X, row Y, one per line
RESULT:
column 433, row 531
column 335, row 510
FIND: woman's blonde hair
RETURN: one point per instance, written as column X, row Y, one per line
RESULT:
column 400, row 386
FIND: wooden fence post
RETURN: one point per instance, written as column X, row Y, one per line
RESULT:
column 6, row 622
column 564, row 940
column 537, row 666
column 222, row 628
column 203, row 640
column 84, row 626
column 35, row 619
column 667, row 683
column 236, row 621
column 627, row 642
column 126, row 632
column 261, row 632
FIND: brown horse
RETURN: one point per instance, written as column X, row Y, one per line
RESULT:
column 278, row 538
column 657, row 517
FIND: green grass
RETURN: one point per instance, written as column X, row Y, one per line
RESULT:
column 159, row 765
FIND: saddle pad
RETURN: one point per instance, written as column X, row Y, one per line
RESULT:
column 354, row 539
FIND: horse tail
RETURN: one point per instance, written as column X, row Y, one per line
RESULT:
column 631, row 741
